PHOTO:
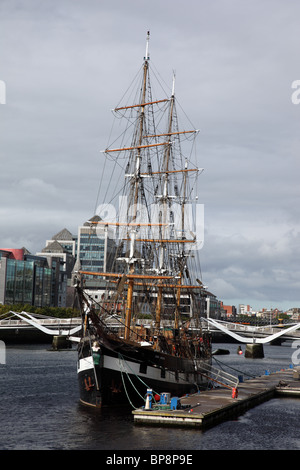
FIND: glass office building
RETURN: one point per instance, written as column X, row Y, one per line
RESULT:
column 95, row 248
column 45, row 279
column 91, row 251
column 25, row 281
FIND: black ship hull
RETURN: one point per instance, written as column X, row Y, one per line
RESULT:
column 122, row 375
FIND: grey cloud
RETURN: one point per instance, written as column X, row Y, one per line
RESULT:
column 66, row 64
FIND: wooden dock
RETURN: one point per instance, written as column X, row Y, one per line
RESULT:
column 210, row 407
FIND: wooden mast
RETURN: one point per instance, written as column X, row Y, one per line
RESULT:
column 158, row 308
column 136, row 191
column 177, row 308
column 164, row 200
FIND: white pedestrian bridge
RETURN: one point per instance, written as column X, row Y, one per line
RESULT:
column 254, row 334
column 70, row 326
column 48, row 325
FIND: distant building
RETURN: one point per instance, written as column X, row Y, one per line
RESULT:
column 294, row 313
column 91, row 250
column 228, row 310
column 25, row 278
column 213, row 306
column 95, row 247
column 245, row 309
column 62, row 246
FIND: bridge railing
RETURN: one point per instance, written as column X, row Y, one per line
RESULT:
column 250, row 328
column 46, row 322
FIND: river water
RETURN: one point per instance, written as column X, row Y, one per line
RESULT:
column 40, row 409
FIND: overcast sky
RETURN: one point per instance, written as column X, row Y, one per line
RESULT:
column 66, row 63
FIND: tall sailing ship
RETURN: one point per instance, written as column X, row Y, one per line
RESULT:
column 146, row 331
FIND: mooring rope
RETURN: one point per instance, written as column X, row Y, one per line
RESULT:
column 126, row 391
column 127, row 374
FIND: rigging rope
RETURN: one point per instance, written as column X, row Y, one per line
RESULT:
column 230, row 367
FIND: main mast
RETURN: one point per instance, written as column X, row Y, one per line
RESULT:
column 136, row 183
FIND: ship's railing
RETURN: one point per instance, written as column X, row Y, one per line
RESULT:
column 220, row 376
